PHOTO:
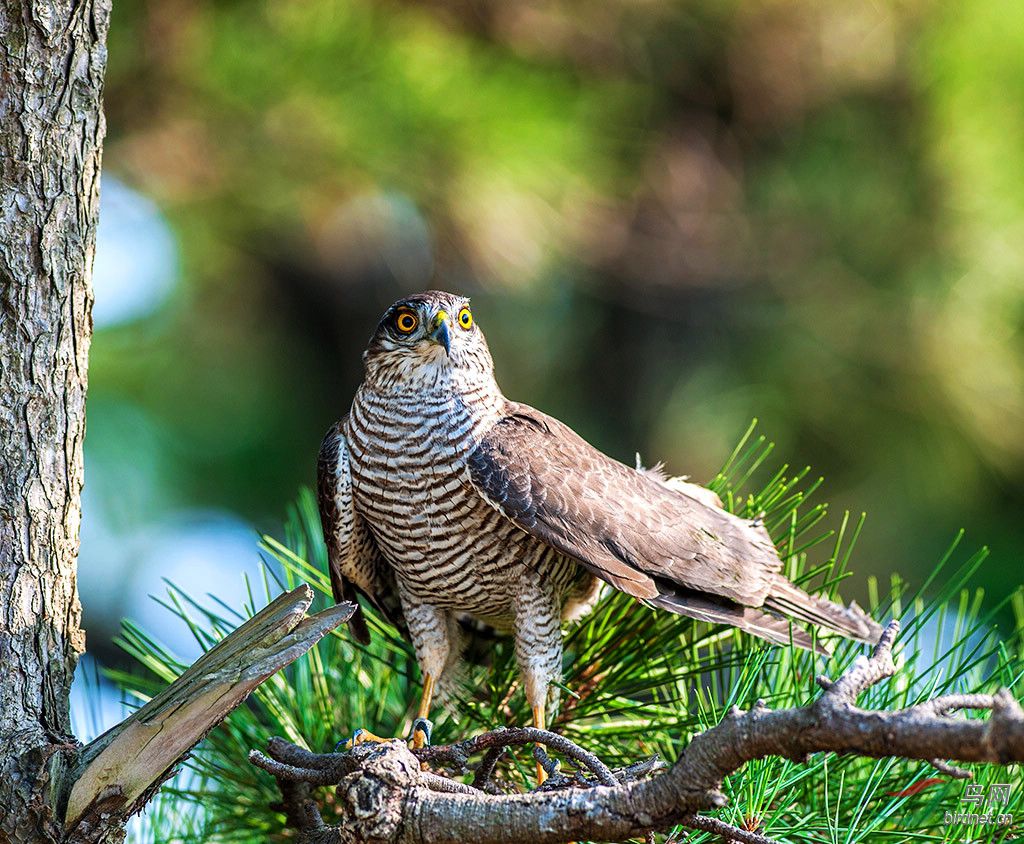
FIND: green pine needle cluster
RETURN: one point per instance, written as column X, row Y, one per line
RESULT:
column 637, row 682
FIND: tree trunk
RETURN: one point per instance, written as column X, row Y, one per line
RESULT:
column 52, row 61
column 52, row 790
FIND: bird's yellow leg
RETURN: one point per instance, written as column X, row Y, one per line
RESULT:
column 428, row 694
column 538, row 722
column 419, row 737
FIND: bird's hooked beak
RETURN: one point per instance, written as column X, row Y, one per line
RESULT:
column 442, row 331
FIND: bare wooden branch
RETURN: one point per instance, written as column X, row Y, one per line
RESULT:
column 729, row 833
column 119, row 770
column 384, row 796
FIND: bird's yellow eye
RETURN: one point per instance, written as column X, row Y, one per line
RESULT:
column 465, row 318
column 406, row 322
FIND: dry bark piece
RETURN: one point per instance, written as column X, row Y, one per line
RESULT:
column 121, row 769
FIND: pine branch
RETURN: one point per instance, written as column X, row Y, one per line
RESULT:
column 383, row 795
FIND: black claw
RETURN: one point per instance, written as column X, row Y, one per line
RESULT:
column 425, row 726
column 348, row 743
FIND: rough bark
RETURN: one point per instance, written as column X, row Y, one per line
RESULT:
column 384, row 796
column 52, row 60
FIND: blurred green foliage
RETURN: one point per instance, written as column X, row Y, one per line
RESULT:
column 672, row 217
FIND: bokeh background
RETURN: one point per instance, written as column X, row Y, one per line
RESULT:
column 672, row 217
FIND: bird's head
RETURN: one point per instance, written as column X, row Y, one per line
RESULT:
column 426, row 337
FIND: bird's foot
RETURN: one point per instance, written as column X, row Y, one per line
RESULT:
column 422, row 728
column 419, row 736
column 357, row 738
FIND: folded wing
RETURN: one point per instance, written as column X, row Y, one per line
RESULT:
column 640, row 534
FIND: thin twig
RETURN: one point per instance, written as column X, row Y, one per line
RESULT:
column 951, row 770
column 485, row 770
column 291, row 773
column 435, row 782
column 458, row 754
column 728, row 832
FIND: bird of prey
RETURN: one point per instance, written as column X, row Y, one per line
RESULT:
column 442, row 499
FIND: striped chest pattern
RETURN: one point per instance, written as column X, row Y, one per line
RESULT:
column 408, row 452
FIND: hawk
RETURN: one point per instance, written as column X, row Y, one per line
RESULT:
column 441, row 499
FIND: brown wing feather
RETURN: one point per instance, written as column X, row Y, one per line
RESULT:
column 641, row 535
column 770, row 627
column 850, row 621
column 624, row 525
column 354, row 561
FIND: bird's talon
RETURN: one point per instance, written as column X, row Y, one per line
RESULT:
column 349, row 743
column 422, row 729
column 359, row 737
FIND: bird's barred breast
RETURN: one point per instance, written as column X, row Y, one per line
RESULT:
column 447, row 546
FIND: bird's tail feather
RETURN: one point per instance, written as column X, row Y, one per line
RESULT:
column 851, row 621
column 770, row 627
